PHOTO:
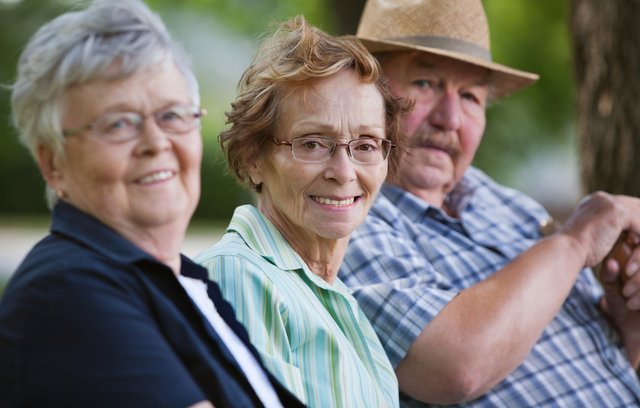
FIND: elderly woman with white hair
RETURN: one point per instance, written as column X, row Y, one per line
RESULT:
column 105, row 311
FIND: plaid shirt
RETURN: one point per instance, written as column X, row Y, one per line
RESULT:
column 409, row 259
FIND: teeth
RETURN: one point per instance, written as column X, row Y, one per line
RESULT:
column 159, row 176
column 337, row 203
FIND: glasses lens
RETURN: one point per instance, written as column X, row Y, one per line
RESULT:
column 367, row 150
column 117, row 126
column 312, row 149
column 178, row 118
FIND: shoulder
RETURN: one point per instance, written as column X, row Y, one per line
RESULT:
column 61, row 285
column 73, row 317
column 483, row 183
column 231, row 256
column 245, row 278
column 230, row 245
column 496, row 197
column 63, row 266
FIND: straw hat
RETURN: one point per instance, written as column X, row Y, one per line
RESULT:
column 452, row 28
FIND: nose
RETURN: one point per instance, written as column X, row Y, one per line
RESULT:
column 446, row 113
column 340, row 166
column 152, row 138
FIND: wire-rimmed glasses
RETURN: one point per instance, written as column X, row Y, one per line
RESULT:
column 117, row 127
column 316, row 149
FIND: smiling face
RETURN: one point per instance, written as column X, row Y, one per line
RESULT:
column 311, row 201
column 445, row 127
column 136, row 186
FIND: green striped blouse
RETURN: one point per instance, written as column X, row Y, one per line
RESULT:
column 311, row 335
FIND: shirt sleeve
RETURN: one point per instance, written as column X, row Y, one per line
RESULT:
column 395, row 284
column 85, row 339
column 259, row 308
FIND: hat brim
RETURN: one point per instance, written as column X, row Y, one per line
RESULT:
column 504, row 80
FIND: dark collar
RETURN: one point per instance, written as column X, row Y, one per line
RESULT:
column 88, row 231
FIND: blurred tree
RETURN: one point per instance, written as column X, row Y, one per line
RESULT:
column 606, row 41
column 532, row 36
column 20, row 182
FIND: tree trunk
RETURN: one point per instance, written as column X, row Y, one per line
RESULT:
column 606, row 40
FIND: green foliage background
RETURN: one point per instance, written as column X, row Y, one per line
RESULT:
column 533, row 36
column 527, row 35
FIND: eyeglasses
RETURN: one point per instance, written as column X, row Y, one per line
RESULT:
column 118, row 127
column 366, row 150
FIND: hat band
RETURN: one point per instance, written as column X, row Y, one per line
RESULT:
column 446, row 44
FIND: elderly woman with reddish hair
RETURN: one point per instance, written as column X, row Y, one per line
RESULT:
column 312, row 132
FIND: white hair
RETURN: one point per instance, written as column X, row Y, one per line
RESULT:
column 82, row 46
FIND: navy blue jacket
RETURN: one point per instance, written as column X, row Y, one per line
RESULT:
column 89, row 319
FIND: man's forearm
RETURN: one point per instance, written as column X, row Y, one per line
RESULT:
column 488, row 330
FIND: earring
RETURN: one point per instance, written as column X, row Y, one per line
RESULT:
column 61, row 193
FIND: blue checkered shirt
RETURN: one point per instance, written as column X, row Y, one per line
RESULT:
column 409, row 259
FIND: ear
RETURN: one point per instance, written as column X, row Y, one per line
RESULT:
column 255, row 173
column 49, row 166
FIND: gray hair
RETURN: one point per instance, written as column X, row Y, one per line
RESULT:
column 79, row 47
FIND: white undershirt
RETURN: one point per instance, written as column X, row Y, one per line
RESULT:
column 197, row 290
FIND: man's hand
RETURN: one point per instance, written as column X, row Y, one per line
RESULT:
column 598, row 222
column 621, row 303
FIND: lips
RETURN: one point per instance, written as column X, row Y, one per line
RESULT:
column 335, row 203
column 156, row 177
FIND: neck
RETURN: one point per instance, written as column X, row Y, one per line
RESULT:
column 322, row 255
column 163, row 243
column 437, row 198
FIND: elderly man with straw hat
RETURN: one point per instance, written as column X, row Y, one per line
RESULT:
column 474, row 300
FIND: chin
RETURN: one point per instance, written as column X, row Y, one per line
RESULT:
column 168, row 214
column 338, row 232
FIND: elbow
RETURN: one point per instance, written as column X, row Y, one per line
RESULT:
column 446, row 387
column 466, row 385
